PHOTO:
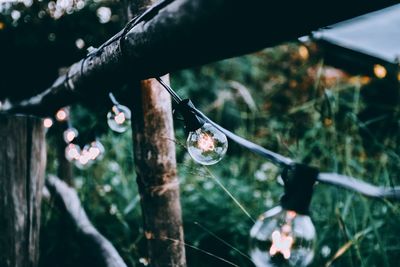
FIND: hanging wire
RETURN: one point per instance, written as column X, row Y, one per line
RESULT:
column 113, row 99
column 269, row 155
column 173, row 94
column 343, row 181
column 353, row 184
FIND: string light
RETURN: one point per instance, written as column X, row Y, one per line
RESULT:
column 207, row 145
column 62, row 114
column 303, row 52
column 47, row 123
column 70, row 134
column 380, row 71
column 282, row 238
column 84, row 160
column 118, row 118
column 95, row 150
column 72, row 152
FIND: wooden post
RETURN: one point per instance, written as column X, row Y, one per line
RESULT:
column 22, row 166
column 154, row 151
column 155, row 160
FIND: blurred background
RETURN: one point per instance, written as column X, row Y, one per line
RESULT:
column 293, row 99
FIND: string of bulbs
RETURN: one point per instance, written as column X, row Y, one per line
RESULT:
column 284, row 235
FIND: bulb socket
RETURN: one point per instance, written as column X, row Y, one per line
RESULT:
column 191, row 120
column 299, row 180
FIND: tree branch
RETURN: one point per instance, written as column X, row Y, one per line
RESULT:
column 185, row 33
column 67, row 199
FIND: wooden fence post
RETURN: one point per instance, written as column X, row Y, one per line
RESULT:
column 154, row 152
column 22, row 166
column 155, row 161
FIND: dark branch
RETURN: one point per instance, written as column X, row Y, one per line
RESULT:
column 185, row 33
column 67, row 199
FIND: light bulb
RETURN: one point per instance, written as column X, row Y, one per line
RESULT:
column 47, row 123
column 95, row 150
column 207, row 145
column 282, row 238
column 72, row 152
column 62, row 114
column 118, row 118
column 84, row 160
column 70, row 134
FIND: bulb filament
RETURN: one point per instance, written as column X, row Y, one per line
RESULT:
column 282, row 240
column 206, row 142
column 120, row 118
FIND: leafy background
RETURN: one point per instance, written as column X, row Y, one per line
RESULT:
column 284, row 98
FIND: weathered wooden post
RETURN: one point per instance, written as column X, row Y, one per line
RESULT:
column 22, row 166
column 154, row 153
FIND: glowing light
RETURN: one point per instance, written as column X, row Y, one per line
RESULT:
column 118, row 119
column 398, row 76
column 303, row 52
column 205, row 142
column 95, row 150
column 15, row 15
column 281, row 243
column 72, row 152
column 207, row 145
column 104, row 14
column 47, row 123
column 282, row 238
column 2, row 25
column 79, row 43
column 380, row 71
column 84, row 160
column 70, row 134
column 62, row 114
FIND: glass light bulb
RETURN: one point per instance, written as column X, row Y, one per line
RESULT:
column 72, row 152
column 84, row 160
column 207, row 145
column 95, row 150
column 47, row 123
column 62, row 114
column 118, row 118
column 70, row 134
column 282, row 238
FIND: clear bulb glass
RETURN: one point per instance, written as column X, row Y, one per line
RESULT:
column 72, row 152
column 282, row 238
column 84, row 160
column 207, row 145
column 95, row 150
column 62, row 114
column 47, row 123
column 70, row 134
column 118, row 118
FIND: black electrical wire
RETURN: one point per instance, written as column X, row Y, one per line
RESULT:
column 271, row 156
column 113, row 99
column 343, row 181
column 353, row 184
column 173, row 94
